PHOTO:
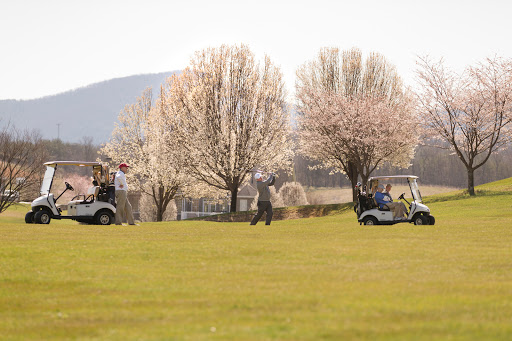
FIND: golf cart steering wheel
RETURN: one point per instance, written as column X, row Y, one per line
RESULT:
column 68, row 186
column 401, row 196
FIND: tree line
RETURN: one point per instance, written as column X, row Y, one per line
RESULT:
column 225, row 115
column 209, row 127
column 432, row 165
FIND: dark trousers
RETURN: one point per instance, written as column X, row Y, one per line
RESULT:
column 263, row 206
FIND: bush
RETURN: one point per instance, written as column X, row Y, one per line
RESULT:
column 293, row 194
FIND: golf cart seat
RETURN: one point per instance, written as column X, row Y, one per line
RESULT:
column 92, row 193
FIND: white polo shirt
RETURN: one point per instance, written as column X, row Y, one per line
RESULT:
column 120, row 179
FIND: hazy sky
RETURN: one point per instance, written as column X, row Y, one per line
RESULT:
column 51, row 46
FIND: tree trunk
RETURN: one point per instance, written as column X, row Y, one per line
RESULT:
column 159, row 213
column 353, row 182
column 353, row 175
column 364, row 181
column 160, row 209
column 234, row 194
column 161, row 203
column 162, row 200
column 471, row 181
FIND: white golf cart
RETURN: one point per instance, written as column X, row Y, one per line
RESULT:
column 369, row 213
column 95, row 207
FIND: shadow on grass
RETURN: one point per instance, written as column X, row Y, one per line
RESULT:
column 499, row 188
column 284, row 213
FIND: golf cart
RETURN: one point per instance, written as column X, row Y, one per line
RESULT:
column 369, row 213
column 95, row 207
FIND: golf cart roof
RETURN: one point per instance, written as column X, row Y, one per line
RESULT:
column 392, row 177
column 73, row 163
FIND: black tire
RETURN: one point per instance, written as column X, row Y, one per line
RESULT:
column 29, row 217
column 104, row 217
column 431, row 220
column 42, row 217
column 421, row 220
column 370, row 220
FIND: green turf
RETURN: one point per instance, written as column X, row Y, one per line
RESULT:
column 308, row 279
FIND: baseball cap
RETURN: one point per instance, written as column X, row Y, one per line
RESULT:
column 257, row 176
column 381, row 186
column 123, row 165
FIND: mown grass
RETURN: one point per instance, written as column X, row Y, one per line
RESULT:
column 307, row 279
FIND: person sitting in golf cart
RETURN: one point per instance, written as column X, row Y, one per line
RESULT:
column 385, row 201
column 388, row 195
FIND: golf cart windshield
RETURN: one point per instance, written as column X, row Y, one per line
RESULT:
column 48, row 179
column 415, row 191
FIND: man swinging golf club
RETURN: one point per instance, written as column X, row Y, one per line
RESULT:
column 264, row 204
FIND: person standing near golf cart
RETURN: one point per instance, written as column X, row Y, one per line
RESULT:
column 264, row 204
column 123, row 206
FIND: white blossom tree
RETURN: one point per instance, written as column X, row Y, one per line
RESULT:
column 471, row 112
column 354, row 116
column 146, row 139
column 149, row 211
column 233, row 116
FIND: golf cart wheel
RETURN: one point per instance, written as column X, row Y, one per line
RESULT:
column 42, row 217
column 421, row 220
column 370, row 221
column 431, row 220
column 29, row 217
column 104, row 217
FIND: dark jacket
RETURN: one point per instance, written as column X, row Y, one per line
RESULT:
column 263, row 190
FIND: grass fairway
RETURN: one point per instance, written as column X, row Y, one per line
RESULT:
column 308, row 279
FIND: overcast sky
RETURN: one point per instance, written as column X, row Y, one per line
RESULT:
column 51, row 46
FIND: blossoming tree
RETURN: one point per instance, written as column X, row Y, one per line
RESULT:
column 233, row 116
column 145, row 138
column 471, row 112
column 354, row 116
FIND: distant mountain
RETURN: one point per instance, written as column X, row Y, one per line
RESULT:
column 88, row 111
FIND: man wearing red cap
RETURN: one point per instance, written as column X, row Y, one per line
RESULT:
column 123, row 206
